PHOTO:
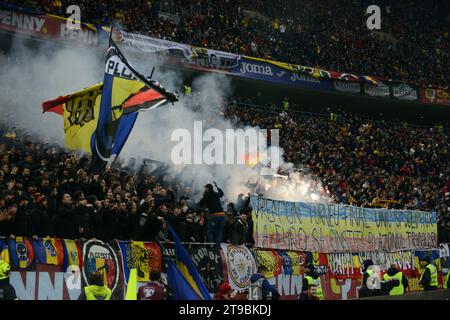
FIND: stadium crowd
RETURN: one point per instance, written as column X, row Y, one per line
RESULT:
column 363, row 162
column 412, row 44
column 47, row 191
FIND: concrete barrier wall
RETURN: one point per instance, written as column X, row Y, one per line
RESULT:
column 426, row 295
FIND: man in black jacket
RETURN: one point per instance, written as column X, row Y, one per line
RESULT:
column 216, row 216
column 82, row 220
column 240, row 229
column 40, row 218
column 64, row 218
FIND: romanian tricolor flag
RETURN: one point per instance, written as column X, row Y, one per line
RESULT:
column 183, row 277
column 49, row 251
column 21, row 253
column 72, row 254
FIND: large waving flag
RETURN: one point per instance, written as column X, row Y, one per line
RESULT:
column 99, row 119
column 80, row 113
column 125, row 91
column 183, row 277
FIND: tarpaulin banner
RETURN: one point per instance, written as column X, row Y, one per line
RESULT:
column 33, row 23
column 240, row 265
column 206, row 258
column 201, row 57
column 325, row 228
column 99, row 256
column 435, row 96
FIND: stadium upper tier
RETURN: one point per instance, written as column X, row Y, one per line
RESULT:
column 412, row 45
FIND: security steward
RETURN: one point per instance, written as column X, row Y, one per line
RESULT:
column 429, row 277
column 98, row 290
column 7, row 291
column 394, row 274
column 187, row 89
column 310, row 279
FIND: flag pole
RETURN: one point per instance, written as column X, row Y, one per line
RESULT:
column 110, row 34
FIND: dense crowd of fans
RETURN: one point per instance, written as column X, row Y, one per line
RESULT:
column 46, row 191
column 363, row 162
column 412, row 45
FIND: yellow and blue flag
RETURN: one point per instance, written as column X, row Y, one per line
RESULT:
column 80, row 113
column 72, row 254
column 99, row 119
column 183, row 277
column 125, row 92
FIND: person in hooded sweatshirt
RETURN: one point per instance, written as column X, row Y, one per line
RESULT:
column 311, row 279
column 260, row 288
column 394, row 274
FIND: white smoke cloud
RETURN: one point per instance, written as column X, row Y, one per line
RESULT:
column 36, row 75
column 48, row 72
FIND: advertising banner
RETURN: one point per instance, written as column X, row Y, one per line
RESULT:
column 326, row 228
column 435, row 96
column 340, row 272
column 347, row 87
column 403, row 91
column 378, row 90
column 31, row 23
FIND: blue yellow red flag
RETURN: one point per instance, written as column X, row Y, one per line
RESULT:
column 183, row 277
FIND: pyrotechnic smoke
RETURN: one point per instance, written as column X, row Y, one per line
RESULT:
column 48, row 72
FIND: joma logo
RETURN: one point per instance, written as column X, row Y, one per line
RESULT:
column 255, row 68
